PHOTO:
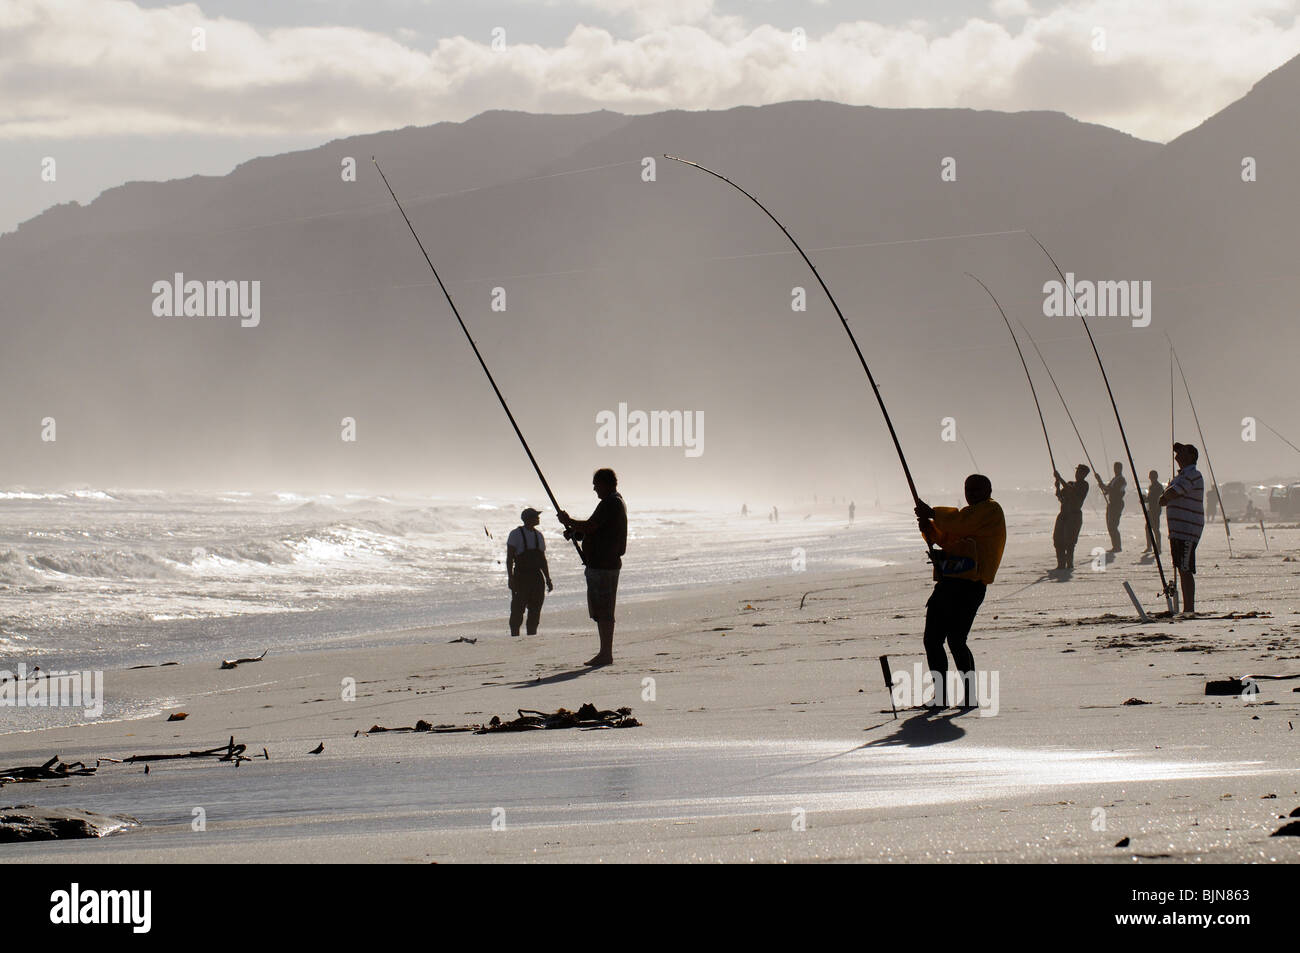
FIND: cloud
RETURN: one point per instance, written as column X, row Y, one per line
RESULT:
column 1005, row 9
column 101, row 67
column 650, row 14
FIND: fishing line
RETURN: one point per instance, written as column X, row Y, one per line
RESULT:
column 432, row 197
column 1282, row 438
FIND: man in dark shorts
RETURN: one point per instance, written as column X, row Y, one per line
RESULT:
column 975, row 535
column 604, row 541
column 1184, row 503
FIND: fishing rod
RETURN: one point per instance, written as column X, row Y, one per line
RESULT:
column 1146, row 515
column 898, row 447
column 1023, row 364
column 1173, row 463
column 1204, row 446
column 483, row 364
column 1052, row 378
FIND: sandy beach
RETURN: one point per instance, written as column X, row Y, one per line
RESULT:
column 767, row 734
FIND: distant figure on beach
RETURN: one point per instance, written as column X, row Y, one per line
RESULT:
column 744, row 509
column 527, row 572
column 1114, row 494
column 1211, row 505
column 1152, row 502
column 604, row 541
column 853, row 508
column 1252, row 514
column 776, row 517
column 1065, row 536
column 1184, row 503
column 976, row 533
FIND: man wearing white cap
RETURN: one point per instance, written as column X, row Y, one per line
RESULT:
column 527, row 573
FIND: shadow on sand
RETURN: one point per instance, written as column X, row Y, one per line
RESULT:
column 552, row 679
column 925, row 728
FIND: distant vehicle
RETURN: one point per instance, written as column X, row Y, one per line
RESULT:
column 1233, row 498
column 1284, row 500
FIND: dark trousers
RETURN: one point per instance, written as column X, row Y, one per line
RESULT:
column 528, row 597
column 949, row 614
column 1153, row 542
column 1066, row 536
column 1112, row 524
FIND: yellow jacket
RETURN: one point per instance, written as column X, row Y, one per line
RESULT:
column 984, row 524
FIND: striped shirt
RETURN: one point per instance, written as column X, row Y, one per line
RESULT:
column 1185, row 511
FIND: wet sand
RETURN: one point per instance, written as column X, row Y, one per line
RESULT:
column 769, row 736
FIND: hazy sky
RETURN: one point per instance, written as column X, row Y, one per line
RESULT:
column 114, row 90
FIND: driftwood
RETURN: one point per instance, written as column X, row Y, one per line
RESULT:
column 52, row 770
column 463, row 639
column 232, row 662
column 420, row 726
column 227, row 752
column 587, row 717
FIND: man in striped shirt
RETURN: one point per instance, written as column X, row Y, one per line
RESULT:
column 1184, row 503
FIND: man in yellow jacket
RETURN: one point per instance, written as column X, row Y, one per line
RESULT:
column 971, row 541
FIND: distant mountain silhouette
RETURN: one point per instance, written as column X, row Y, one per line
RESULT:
column 671, row 294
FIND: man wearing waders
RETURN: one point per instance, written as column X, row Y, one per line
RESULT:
column 1114, row 493
column 1152, row 501
column 1070, row 520
column 528, row 574
column 971, row 540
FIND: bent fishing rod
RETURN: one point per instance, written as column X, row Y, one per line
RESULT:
column 1204, row 446
column 1051, row 377
column 898, row 447
column 483, row 364
column 1032, row 390
column 1146, row 515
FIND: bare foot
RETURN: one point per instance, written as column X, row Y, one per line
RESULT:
column 598, row 660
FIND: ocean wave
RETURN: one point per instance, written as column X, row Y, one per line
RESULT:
column 108, row 565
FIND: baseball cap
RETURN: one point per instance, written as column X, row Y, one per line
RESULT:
column 529, row 511
column 1188, row 449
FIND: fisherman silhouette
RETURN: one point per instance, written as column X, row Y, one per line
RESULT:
column 1184, row 503
column 853, row 508
column 1069, row 521
column 527, row 573
column 744, row 509
column 1152, row 501
column 1114, row 494
column 977, row 532
column 604, row 541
